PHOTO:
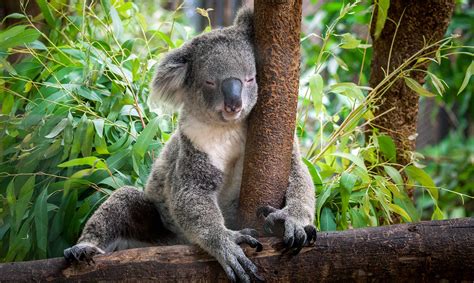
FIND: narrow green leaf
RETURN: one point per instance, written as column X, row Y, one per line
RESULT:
column 316, row 85
column 23, row 37
column 46, row 12
column 24, row 199
column 317, row 180
column 437, row 214
column 328, row 220
column 57, row 129
column 87, row 140
column 395, row 175
column 355, row 159
column 41, row 223
column 7, row 104
column 420, row 176
column 467, row 77
column 99, row 126
column 146, row 136
column 90, row 160
column 416, row 87
column 400, row 211
column 382, row 12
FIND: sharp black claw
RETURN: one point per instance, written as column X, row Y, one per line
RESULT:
column 259, row 247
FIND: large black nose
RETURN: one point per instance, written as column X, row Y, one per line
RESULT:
column 232, row 90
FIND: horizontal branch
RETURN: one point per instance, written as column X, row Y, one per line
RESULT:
column 426, row 251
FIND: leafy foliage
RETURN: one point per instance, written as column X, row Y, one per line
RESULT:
column 74, row 123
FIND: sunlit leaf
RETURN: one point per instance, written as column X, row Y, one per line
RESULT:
column 467, row 77
column 416, row 87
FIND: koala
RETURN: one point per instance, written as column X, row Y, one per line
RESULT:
column 192, row 193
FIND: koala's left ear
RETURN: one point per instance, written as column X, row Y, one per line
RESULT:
column 168, row 86
column 244, row 20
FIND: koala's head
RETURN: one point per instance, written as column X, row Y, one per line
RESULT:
column 211, row 77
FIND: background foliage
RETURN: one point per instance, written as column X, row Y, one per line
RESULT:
column 74, row 124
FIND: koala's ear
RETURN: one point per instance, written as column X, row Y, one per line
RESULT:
column 244, row 20
column 167, row 87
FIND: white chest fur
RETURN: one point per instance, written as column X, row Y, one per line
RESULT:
column 223, row 144
column 225, row 148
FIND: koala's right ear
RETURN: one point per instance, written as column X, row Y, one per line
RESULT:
column 167, row 87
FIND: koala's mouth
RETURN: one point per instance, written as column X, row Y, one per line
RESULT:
column 230, row 117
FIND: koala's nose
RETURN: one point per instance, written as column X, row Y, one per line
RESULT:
column 232, row 90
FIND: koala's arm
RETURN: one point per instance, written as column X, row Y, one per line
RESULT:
column 297, row 216
column 195, row 210
column 300, row 198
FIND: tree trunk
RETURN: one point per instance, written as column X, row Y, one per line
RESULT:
column 420, row 252
column 421, row 22
column 272, row 122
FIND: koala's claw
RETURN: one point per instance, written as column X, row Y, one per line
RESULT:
column 235, row 263
column 82, row 252
column 295, row 235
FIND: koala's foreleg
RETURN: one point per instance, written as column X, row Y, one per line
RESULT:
column 297, row 216
column 126, row 219
column 196, row 211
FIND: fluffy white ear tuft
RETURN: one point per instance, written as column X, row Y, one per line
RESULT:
column 168, row 85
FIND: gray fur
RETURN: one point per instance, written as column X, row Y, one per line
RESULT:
column 193, row 190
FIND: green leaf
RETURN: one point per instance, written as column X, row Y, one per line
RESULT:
column 317, row 181
column 41, row 223
column 316, row 85
column 355, row 159
column 420, row 176
column 328, row 220
column 348, row 89
column 116, row 22
column 87, row 139
column 146, row 137
column 57, row 129
column 387, row 147
column 14, row 16
column 358, row 220
column 467, row 77
column 395, row 175
column 416, row 87
column 400, row 211
column 46, row 12
column 349, row 41
column 437, row 214
column 347, row 183
column 99, row 126
column 90, row 160
column 382, row 12
column 7, row 104
column 19, row 37
column 24, row 199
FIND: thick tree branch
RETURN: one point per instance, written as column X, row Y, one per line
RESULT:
column 420, row 252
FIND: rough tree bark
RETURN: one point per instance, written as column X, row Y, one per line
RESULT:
column 272, row 122
column 420, row 252
column 421, row 21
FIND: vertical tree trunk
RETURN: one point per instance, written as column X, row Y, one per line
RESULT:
column 272, row 122
column 421, row 21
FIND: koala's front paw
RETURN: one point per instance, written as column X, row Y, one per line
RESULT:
column 295, row 235
column 232, row 258
column 82, row 252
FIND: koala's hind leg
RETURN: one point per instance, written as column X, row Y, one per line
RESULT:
column 125, row 220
